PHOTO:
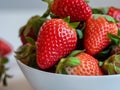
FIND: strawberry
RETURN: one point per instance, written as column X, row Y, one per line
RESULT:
column 115, row 13
column 78, row 10
column 112, row 64
column 81, row 64
column 5, row 48
column 55, row 40
column 96, row 33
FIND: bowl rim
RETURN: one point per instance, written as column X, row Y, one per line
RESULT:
column 65, row 75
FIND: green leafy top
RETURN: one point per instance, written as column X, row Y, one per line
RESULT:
column 69, row 61
column 112, row 64
column 107, row 17
column 115, row 40
column 3, row 69
column 72, row 24
column 100, row 10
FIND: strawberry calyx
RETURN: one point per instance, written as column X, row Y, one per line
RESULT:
column 104, row 54
column 115, row 39
column 100, row 10
column 112, row 64
column 48, row 1
column 65, row 62
column 32, row 27
column 34, row 22
column 72, row 24
column 27, row 53
column 75, row 25
column 69, row 61
column 115, row 43
column 47, row 12
column 3, row 70
column 107, row 17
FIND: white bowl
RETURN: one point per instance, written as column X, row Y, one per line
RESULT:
column 41, row 80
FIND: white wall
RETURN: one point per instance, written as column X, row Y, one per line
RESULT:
column 37, row 4
column 21, row 4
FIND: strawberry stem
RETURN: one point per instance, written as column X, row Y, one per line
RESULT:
column 47, row 12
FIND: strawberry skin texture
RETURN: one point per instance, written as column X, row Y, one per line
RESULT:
column 115, row 13
column 95, row 34
column 55, row 40
column 5, row 48
column 78, row 10
column 88, row 66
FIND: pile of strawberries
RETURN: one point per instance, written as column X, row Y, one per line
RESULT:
column 72, row 38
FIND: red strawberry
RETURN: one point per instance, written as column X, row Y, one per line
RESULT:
column 5, row 48
column 96, row 33
column 55, row 40
column 115, row 13
column 78, row 10
column 82, row 64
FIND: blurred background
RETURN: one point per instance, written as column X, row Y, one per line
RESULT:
column 21, row 4
column 13, row 15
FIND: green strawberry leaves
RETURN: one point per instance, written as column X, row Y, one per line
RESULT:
column 3, row 75
column 80, row 33
column 112, row 64
column 27, row 53
column 66, row 62
column 72, row 61
column 60, row 66
column 33, row 25
column 100, row 10
column 107, row 17
column 114, row 39
column 67, row 19
column 69, row 61
column 72, row 24
column 30, row 40
column 117, row 66
column 118, row 32
column 104, row 54
column 48, row 1
column 75, row 52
